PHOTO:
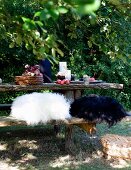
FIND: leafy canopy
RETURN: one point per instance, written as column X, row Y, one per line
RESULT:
column 92, row 36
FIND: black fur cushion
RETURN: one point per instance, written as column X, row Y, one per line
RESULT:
column 97, row 109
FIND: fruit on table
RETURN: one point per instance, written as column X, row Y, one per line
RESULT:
column 65, row 81
column 91, row 79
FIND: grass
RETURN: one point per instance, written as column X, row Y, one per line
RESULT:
column 37, row 148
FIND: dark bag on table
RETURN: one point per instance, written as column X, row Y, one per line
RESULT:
column 45, row 69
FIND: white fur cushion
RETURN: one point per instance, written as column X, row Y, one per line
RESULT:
column 40, row 107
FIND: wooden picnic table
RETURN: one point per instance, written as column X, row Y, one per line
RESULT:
column 71, row 91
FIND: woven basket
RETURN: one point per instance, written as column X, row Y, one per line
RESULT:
column 28, row 80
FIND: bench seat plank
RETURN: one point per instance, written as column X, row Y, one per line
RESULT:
column 11, row 121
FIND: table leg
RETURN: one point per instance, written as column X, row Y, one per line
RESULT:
column 77, row 94
column 69, row 95
column 69, row 143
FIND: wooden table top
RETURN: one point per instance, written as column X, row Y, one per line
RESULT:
column 53, row 86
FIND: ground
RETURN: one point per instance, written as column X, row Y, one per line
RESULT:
column 38, row 149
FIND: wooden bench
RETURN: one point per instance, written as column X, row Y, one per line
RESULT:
column 6, row 121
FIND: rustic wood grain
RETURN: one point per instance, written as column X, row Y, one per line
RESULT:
column 10, row 121
column 54, row 86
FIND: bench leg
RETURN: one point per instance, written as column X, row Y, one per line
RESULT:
column 69, row 144
column 57, row 130
column 90, row 128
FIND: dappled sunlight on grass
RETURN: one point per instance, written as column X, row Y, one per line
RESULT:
column 120, row 163
column 4, row 165
column 39, row 149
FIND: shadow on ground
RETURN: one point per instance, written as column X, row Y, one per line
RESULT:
column 39, row 149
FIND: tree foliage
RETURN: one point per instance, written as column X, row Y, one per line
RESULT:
column 93, row 39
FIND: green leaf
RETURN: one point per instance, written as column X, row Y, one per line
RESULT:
column 89, row 44
column 26, row 19
column 62, row 10
column 12, row 45
column 19, row 40
column 89, row 8
column 60, row 52
column 37, row 14
column 42, row 50
column 44, row 15
column 46, row 48
column 54, row 13
column 35, row 52
column 39, row 23
column 28, row 26
column 53, row 52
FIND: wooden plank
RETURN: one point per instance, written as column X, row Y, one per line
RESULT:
column 54, row 86
column 11, row 121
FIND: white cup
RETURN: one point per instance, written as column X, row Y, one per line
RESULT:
column 86, row 79
column 62, row 66
column 68, row 74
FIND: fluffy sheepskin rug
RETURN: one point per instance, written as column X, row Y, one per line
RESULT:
column 97, row 109
column 37, row 108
